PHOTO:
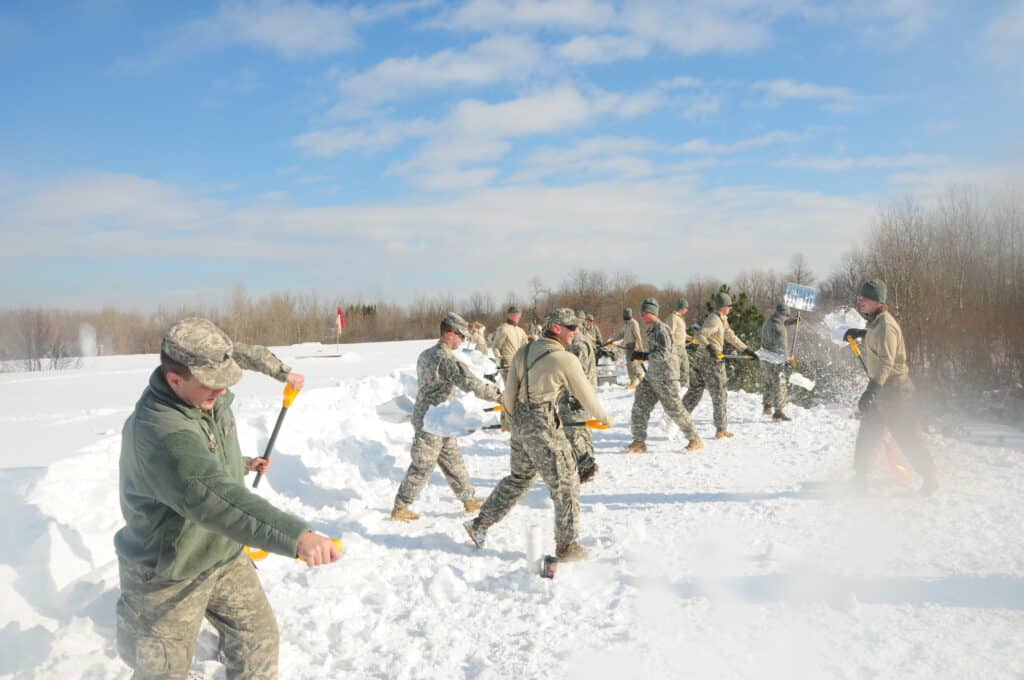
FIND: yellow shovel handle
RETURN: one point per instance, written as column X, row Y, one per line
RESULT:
column 255, row 554
column 289, row 395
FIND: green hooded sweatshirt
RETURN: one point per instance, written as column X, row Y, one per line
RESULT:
column 183, row 497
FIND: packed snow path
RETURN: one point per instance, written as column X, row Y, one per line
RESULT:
column 733, row 562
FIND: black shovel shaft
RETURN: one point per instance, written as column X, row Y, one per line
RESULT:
column 270, row 444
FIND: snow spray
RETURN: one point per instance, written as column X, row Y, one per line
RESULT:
column 800, row 380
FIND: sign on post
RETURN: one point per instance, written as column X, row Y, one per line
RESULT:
column 802, row 298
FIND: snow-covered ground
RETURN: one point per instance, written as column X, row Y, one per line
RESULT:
column 734, row 562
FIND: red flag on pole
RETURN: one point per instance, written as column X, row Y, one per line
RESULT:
column 341, row 318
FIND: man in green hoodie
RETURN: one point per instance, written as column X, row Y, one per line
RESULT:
column 188, row 514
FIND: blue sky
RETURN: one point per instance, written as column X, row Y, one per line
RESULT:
column 163, row 152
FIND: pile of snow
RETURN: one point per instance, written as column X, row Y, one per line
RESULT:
column 459, row 416
column 734, row 562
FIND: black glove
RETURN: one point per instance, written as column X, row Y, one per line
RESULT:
column 867, row 400
column 639, row 356
column 493, row 377
column 713, row 353
column 792, row 321
column 750, row 353
column 857, row 333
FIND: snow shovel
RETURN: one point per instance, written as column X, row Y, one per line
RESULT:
column 255, row 554
column 289, row 396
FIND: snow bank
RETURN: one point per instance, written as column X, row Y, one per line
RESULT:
column 735, row 562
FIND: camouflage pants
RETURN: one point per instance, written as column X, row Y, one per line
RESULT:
column 539, row 446
column 158, row 620
column 773, row 388
column 710, row 375
column 430, row 451
column 684, row 368
column 894, row 411
column 580, row 439
column 648, row 394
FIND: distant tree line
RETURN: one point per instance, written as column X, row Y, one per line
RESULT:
column 955, row 273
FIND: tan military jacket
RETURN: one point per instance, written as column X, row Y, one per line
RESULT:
column 550, row 376
column 631, row 335
column 677, row 325
column 884, row 351
column 716, row 332
column 508, row 338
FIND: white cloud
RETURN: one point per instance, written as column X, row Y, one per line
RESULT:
column 846, row 163
column 599, row 49
column 373, row 137
column 379, row 11
column 1003, row 39
column 702, row 146
column 836, row 99
column 695, row 28
column 884, row 21
column 604, row 156
column 499, row 58
column 293, row 29
column 490, row 15
column 700, row 106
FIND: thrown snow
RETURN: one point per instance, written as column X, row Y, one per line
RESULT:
column 734, row 562
column 841, row 321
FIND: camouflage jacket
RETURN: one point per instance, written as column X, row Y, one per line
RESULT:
column 595, row 334
column 716, row 332
column 662, row 360
column 583, row 348
column 438, row 373
column 774, row 336
column 185, row 505
column 884, row 352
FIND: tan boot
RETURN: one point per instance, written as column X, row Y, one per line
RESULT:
column 472, row 504
column 779, row 415
column 767, row 410
column 403, row 514
column 723, row 434
column 572, row 552
column 694, row 445
column 637, row 447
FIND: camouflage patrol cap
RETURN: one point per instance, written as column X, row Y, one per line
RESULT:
column 681, row 303
column 590, row 317
column 722, row 300
column 580, row 314
column 563, row 316
column 205, row 350
column 783, row 309
column 456, row 323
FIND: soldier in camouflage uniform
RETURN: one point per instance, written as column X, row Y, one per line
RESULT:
column 631, row 340
column 888, row 401
column 661, row 384
column 540, row 373
column 188, row 513
column 570, row 410
column 775, row 339
column 709, row 367
column 438, row 373
column 593, row 330
column 508, row 338
column 680, row 340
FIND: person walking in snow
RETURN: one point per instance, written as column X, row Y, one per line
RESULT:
column 680, row 339
column 631, row 340
column 188, row 514
column 661, row 384
column 570, row 410
column 887, row 403
column 540, row 373
column 775, row 339
column 709, row 366
column 508, row 338
column 439, row 373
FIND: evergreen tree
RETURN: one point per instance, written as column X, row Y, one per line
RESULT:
column 745, row 321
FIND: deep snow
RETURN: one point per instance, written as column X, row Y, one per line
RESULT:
column 734, row 562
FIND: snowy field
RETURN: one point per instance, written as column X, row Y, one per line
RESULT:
column 736, row 562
